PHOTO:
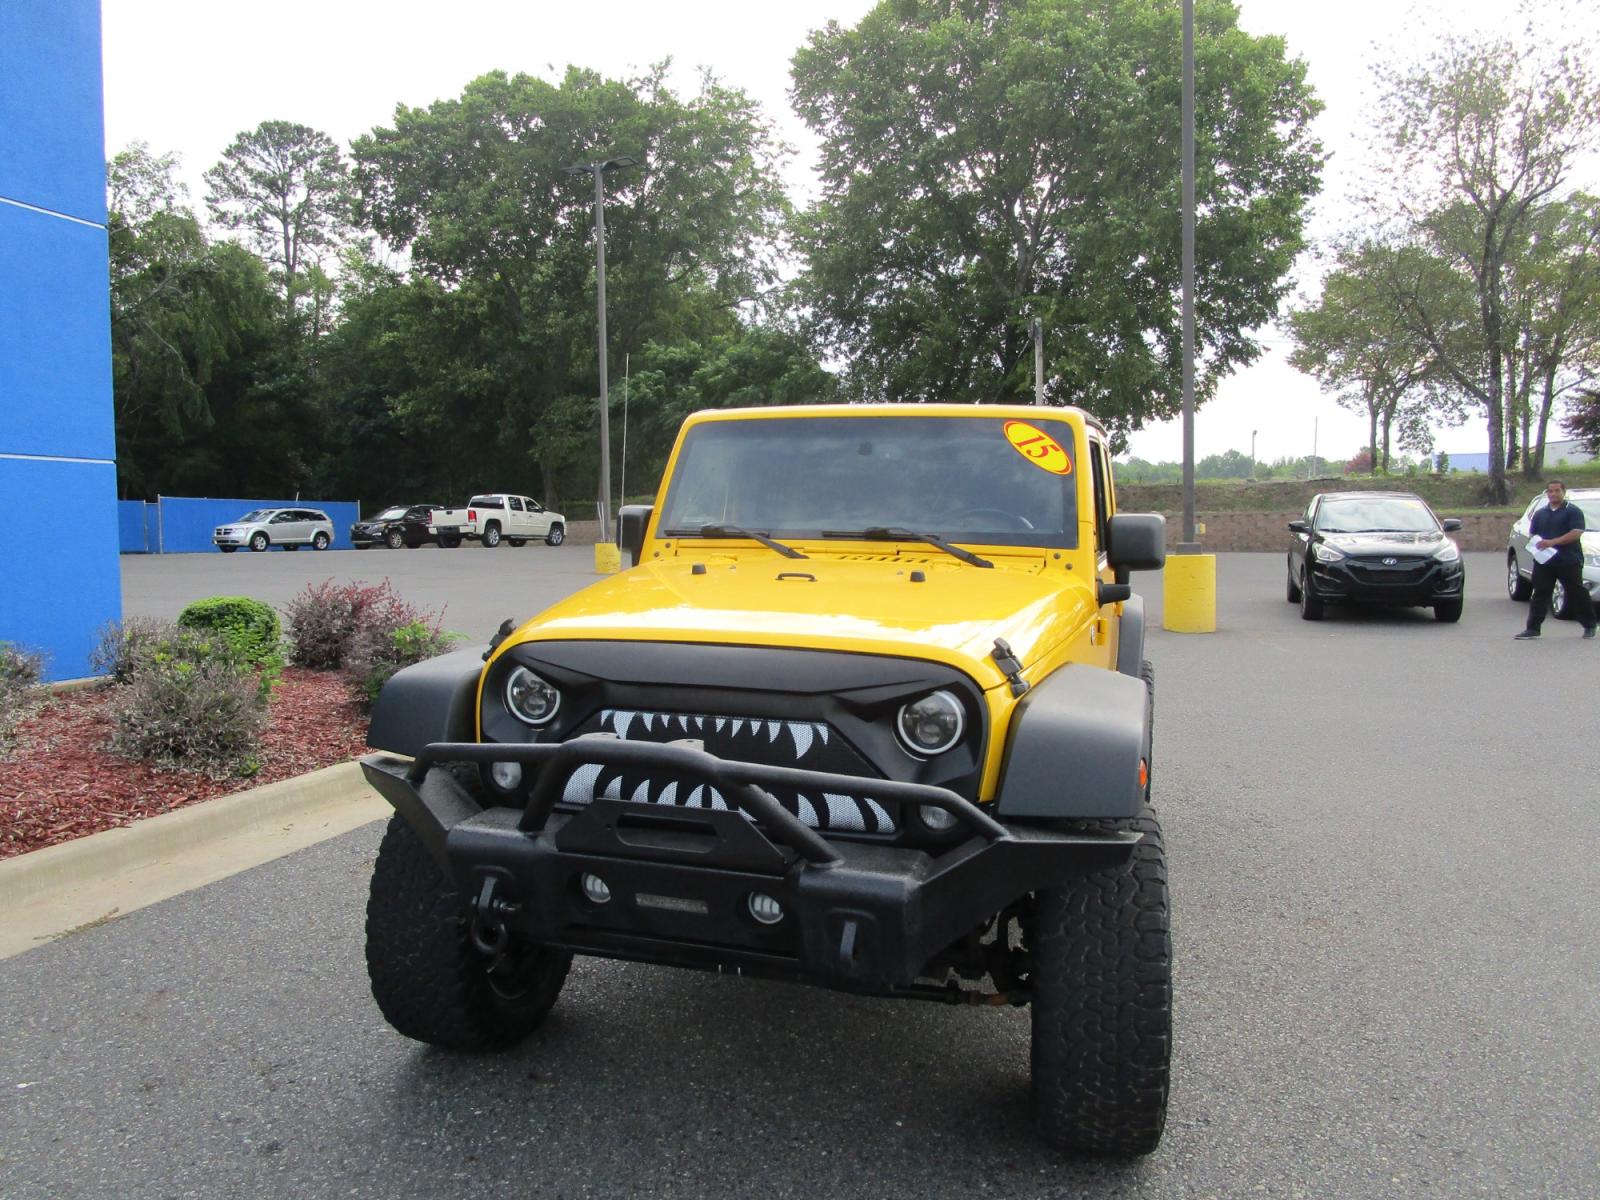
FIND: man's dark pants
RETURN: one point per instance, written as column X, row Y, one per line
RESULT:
column 1545, row 576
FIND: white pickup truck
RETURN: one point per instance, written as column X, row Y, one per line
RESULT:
column 497, row 517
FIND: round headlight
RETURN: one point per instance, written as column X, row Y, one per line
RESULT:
column 530, row 698
column 932, row 724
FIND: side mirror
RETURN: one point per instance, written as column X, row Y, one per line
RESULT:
column 1136, row 542
column 1451, row 524
column 632, row 521
column 1299, row 527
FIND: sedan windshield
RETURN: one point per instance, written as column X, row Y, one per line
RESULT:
column 962, row 479
column 1375, row 514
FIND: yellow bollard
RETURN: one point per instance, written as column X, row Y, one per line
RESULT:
column 607, row 558
column 1191, row 593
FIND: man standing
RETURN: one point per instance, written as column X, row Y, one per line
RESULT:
column 1558, row 526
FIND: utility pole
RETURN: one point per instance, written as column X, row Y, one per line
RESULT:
column 1188, row 545
column 1038, row 361
column 598, row 170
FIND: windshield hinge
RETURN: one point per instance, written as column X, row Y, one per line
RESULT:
column 1009, row 666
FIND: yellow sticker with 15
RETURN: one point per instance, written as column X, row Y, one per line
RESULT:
column 1038, row 447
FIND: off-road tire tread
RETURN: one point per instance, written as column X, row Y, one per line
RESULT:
column 1102, row 1003
column 1147, row 672
column 429, row 981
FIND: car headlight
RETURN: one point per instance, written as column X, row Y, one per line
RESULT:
column 1449, row 552
column 530, row 699
column 1327, row 553
column 932, row 724
column 1592, row 559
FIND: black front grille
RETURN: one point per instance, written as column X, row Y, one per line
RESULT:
column 808, row 745
column 1404, row 572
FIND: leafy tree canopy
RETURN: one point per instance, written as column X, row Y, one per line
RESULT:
column 989, row 161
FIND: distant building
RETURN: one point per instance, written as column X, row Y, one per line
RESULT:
column 1555, row 453
column 62, row 582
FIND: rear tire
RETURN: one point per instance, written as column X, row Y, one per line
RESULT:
column 491, row 537
column 1447, row 611
column 450, row 543
column 556, row 536
column 320, row 542
column 1102, row 1003
column 429, row 980
column 1517, row 587
column 1560, row 606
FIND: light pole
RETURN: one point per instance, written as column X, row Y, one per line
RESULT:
column 1253, row 451
column 598, row 170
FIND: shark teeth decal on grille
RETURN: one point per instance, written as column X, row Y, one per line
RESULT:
column 580, row 786
column 843, row 813
column 853, row 814
column 803, row 734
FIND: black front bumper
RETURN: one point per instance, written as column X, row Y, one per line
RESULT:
column 858, row 915
column 1405, row 583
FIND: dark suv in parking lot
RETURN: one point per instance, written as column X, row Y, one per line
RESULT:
column 401, row 525
column 1374, row 548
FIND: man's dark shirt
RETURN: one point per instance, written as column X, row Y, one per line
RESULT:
column 1551, row 523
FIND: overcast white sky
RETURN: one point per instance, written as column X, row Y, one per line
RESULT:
column 189, row 75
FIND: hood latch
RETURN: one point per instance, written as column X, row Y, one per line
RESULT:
column 1009, row 666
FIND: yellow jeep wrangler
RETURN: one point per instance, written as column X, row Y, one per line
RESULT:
column 869, row 709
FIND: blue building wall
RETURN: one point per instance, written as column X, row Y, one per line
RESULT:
column 57, row 438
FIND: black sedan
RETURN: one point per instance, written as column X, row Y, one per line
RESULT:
column 1374, row 548
column 402, row 525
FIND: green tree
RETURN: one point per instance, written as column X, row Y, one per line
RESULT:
column 990, row 161
column 1476, row 136
column 287, row 187
column 1361, row 348
column 1583, row 420
column 185, row 314
column 501, row 248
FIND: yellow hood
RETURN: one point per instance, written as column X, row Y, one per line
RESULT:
column 864, row 603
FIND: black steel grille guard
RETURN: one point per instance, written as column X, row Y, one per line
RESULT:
column 739, row 782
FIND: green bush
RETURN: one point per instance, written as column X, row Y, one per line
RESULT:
column 19, row 690
column 380, row 648
column 249, row 626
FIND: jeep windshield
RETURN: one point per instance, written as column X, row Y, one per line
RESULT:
column 988, row 480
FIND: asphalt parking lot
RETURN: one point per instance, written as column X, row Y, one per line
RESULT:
column 1382, row 838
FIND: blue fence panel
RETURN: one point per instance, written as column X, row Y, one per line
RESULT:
column 187, row 522
column 134, row 526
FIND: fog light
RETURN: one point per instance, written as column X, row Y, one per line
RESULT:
column 506, row 775
column 765, row 909
column 937, row 819
column 595, row 889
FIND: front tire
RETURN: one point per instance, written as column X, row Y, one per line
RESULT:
column 1292, row 591
column 394, row 539
column 259, row 542
column 1311, row 607
column 1517, row 587
column 429, row 980
column 227, row 549
column 1102, row 1003
column 1448, row 611
column 556, row 536
column 320, row 542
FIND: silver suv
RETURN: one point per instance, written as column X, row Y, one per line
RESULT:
column 1519, row 562
column 290, row 528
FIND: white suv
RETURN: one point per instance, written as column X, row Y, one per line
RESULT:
column 290, row 528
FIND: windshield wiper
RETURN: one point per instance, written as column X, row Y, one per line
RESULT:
column 881, row 533
column 755, row 535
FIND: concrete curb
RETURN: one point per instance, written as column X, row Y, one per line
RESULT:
column 55, row 890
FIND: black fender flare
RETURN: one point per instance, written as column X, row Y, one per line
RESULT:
column 432, row 701
column 1075, row 745
column 1130, row 637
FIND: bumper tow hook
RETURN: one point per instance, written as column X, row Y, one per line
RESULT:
column 489, row 913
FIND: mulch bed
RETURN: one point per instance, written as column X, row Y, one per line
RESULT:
column 60, row 782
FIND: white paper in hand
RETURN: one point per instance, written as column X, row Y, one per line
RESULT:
column 1540, row 556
